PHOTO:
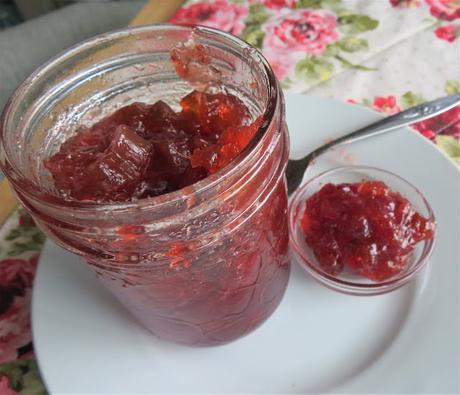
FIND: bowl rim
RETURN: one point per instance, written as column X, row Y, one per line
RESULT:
column 350, row 286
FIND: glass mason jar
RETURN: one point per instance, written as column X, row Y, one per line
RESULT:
column 203, row 265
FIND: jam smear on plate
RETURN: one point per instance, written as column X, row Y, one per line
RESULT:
column 364, row 226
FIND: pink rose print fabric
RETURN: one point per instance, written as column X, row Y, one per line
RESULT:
column 386, row 104
column 405, row 3
column 219, row 15
column 447, row 10
column 279, row 4
column 5, row 388
column 448, row 33
column 447, row 124
column 281, row 65
column 16, row 276
column 304, row 31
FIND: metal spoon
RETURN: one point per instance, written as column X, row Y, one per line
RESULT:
column 296, row 167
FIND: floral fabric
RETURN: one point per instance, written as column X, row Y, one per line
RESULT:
column 374, row 53
column 20, row 244
column 385, row 54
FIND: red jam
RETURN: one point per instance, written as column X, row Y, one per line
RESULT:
column 144, row 150
column 363, row 226
column 203, row 281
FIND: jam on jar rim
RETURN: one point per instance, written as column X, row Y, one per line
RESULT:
column 31, row 190
column 330, row 279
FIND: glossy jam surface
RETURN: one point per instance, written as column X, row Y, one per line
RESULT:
column 363, row 226
column 144, row 150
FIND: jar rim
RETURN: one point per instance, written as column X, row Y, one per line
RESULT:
column 32, row 189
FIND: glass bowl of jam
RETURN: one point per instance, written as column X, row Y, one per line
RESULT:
column 361, row 230
column 158, row 155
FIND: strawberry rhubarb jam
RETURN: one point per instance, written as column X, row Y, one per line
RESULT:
column 145, row 150
column 365, row 227
column 164, row 171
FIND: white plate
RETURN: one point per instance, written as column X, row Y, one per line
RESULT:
column 316, row 341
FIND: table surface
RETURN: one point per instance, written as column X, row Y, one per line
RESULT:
column 385, row 54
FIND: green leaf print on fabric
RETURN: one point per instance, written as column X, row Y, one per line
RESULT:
column 318, row 3
column 257, row 14
column 348, row 65
column 286, row 83
column 331, row 3
column 13, row 235
column 332, row 50
column 353, row 44
column 253, row 36
column 252, row 32
column 313, row 69
column 309, row 4
column 410, row 99
column 25, row 237
column 452, row 87
column 450, row 145
column 24, row 377
column 356, row 23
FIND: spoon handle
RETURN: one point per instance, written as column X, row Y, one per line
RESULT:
column 296, row 168
column 414, row 114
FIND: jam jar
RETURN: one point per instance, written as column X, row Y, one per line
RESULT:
column 203, row 265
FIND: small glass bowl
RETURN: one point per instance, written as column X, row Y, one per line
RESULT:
column 347, row 281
